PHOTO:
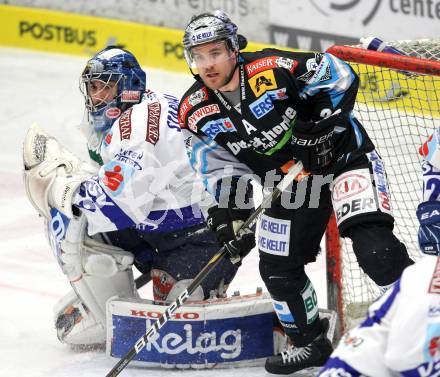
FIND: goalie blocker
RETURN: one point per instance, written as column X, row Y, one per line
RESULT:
column 234, row 331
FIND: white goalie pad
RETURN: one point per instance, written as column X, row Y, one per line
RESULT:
column 234, row 331
column 96, row 271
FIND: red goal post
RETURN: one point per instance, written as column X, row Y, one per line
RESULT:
column 398, row 103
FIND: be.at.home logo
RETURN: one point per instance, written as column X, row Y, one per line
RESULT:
column 364, row 9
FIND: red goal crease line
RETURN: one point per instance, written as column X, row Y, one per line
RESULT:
column 383, row 59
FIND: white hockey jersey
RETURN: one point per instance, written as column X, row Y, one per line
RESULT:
column 146, row 180
column 401, row 334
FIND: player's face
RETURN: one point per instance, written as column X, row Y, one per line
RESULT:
column 214, row 62
column 101, row 92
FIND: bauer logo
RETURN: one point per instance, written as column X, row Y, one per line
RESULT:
column 196, row 342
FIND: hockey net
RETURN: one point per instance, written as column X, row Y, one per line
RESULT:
column 399, row 104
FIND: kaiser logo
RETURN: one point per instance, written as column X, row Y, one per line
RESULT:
column 112, row 113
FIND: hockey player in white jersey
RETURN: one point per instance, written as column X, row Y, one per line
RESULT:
column 401, row 334
column 141, row 205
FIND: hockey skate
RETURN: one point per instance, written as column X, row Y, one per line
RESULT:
column 294, row 359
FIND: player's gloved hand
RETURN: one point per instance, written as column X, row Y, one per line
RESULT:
column 428, row 214
column 226, row 222
column 312, row 143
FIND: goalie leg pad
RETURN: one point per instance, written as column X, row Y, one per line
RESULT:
column 96, row 271
column 75, row 324
column 230, row 331
column 379, row 253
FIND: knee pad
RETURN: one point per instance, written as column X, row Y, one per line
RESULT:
column 75, row 323
column 96, row 271
column 379, row 253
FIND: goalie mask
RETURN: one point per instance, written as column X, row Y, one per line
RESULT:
column 111, row 82
column 207, row 28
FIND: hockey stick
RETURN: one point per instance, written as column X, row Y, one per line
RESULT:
column 141, row 280
column 296, row 172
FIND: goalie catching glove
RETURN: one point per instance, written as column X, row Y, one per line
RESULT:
column 226, row 224
column 312, row 142
column 52, row 174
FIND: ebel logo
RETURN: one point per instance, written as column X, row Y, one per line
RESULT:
column 367, row 8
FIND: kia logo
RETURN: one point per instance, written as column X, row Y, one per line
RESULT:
column 327, row 7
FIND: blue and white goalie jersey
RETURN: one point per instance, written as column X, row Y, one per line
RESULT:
column 401, row 335
column 146, row 180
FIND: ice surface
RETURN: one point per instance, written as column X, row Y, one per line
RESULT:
column 43, row 88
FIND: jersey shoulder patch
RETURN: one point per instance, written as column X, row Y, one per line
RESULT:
column 192, row 97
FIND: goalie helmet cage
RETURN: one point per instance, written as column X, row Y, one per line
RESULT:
column 398, row 103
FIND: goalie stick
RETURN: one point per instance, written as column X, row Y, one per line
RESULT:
column 295, row 172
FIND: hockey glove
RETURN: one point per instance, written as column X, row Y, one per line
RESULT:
column 312, row 143
column 225, row 223
column 428, row 214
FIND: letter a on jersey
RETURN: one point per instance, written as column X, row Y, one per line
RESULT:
column 248, row 127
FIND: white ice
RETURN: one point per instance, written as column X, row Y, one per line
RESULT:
column 43, row 88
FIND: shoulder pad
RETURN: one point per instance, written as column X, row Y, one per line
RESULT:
column 192, row 97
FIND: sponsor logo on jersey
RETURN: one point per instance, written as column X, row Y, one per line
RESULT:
column 112, row 113
column 198, row 96
column 434, row 286
column 129, row 157
column 214, row 127
column 115, row 175
column 125, row 124
column 352, row 194
column 189, row 102
column 93, row 196
column 264, row 105
column 352, row 184
column 108, row 139
column 381, row 182
column 200, row 114
column 270, row 62
column 352, row 341
column 262, row 82
column 153, row 125
column 274, row 236
column 130, row 96
column 268, row 139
